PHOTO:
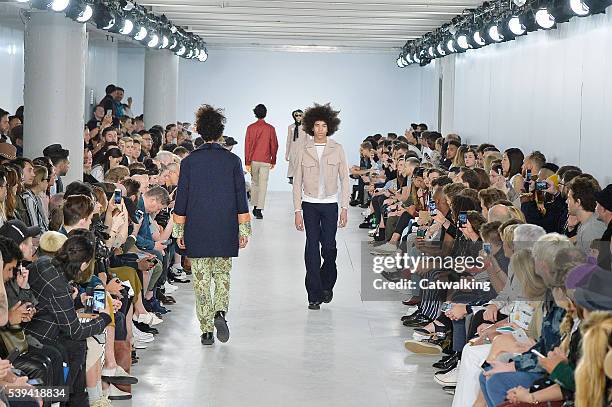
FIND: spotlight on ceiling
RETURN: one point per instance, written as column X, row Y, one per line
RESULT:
column 479, row 38
column 463, row 41
column 416, row 57
column 59, row 5
column 516, row 26
column 430, row 51
column 164, row 42
column 494, row 34
column 545, row 19
column 79, row 11
column 174, row 44
column 203, row 55
column 440, row 49
column 400, row 62
column 141, row 33
column 128, row 27
column 579, row 8
column 181, row 51
column 407, row 57
column 189, row 54
column 153, row 41
column 519, row 3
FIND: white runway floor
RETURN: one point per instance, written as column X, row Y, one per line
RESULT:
column 350, row 353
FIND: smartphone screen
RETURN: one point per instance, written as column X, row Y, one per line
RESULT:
column 541, row 186
column 432, row 208
column 109, row 112
column 486, row 247
column 99, row 300
column 462, row 220
column 117, row 196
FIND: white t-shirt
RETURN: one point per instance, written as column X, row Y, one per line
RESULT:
column 329, row 199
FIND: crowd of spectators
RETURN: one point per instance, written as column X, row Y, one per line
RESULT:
column 529, row 322
column 89, row 267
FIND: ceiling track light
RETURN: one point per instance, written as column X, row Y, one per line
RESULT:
column 545, row 19
column 79, row 11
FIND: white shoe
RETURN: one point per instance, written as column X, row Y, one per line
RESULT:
column 142, row 337
column 169, row 288
column 447, row 379
column 149, row 318
column 118, row 375
column 140, row 345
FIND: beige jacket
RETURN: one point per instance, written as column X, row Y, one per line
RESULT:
column 306, row 176
column 293, row 146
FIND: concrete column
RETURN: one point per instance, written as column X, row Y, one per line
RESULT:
column 55, row 65
column 160, row 87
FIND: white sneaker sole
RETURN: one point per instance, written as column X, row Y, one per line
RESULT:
column 443, row 383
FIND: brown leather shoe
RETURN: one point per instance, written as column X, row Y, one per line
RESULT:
column 167, row 300
column 412, row 301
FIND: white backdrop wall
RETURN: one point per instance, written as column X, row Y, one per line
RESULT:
column 11, row 68
column 373, row 95
column 130, row 76
column 102, row 62
column 549, row 90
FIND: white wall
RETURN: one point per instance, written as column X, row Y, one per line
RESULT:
column 371, row 92
column 549, row 90
column 130, row 76
column 11, row 68
column 102, row 62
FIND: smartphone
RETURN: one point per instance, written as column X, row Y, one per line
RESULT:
column 541, row 186
column 535, row 352
column 500, row 171
column 505, row 330
column 29, row 307
column 420, row 233
column 462, row 219
column 528, row 175
column 432, row 208
column 446, row 307
column 139, row 214
column 117, row 196
column 35, row 382
column 99, row 300
column 486, row 247
column 109, row 112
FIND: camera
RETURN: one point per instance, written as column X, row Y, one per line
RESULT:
column 486, row 247
column 420, row 232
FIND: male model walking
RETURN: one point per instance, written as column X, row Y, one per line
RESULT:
column 320, row 164
column 296, row 136
column 260, row 151
column 212, row 220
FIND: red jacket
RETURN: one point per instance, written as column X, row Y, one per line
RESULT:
column 261, row 144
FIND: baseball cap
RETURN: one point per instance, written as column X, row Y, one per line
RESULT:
column 229, row 141
column 18, row 231
column 604, row 197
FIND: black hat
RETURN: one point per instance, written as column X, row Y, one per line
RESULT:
column 551, row 166
column 604, row 197
column 17, row 231
column 229, row 141
column 56, row 150
column 596, row 293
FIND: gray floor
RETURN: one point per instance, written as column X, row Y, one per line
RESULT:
column 350, row 353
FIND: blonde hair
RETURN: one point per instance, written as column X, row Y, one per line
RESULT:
column 117, row 174
column 545, row 249
column 488, row 160
column 459, row 160
column 523, row 265
column 590, row 376
column 516, row 213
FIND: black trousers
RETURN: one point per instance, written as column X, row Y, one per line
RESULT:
column 321, row 223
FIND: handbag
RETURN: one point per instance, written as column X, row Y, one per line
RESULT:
column 13, row 339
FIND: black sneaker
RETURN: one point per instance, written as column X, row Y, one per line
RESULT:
column 223, row 333
column 257, row 213
column 327, row 296
column 207, row 339
column 314, row 305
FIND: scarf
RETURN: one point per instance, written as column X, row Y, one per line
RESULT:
column 296, row 131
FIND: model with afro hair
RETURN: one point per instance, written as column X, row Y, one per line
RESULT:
column 210, row 123
column 323, row 113
column 320, row 166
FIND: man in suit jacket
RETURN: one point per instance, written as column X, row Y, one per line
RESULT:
column 212, row 220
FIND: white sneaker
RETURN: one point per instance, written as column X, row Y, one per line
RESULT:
column 103, row 402
column 142, row 337
column 169, row 288
column 139, row 345
column 149, row 318
column 118, row 375
column 447, row 379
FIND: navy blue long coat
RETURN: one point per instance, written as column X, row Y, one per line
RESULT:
column 211, row 194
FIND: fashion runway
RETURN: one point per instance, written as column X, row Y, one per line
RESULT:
column 349, row 353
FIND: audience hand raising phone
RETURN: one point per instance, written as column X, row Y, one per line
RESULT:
column 439, row 217
column 117, row 304
column 22, row 277
column 19, row 313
